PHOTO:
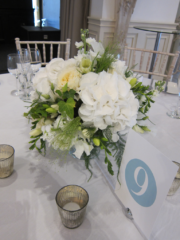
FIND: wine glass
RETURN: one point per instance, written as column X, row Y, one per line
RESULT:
column 13, row 60
column 35, row 60
column 175, row 110
column 25, row 68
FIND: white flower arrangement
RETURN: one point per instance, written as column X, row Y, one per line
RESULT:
column 85, row 102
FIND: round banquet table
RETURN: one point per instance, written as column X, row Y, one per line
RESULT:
column 27, row 198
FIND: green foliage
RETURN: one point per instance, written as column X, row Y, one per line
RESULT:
column 94, row 155
column 42, row 148
column 105, row 61
column 160, row 86
column 67, row 107
column 84, row 35
column 65, row 88
column 129, row 72
column 65, row 136
column 67, row 94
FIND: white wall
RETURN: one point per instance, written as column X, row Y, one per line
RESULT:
column 96, row 8
column 103, row 9
column 155, row 11
column 145, row 10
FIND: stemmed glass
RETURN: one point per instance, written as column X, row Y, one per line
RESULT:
column 25, row 68
column 35, row 60
column 12, row 63
column 175, row 112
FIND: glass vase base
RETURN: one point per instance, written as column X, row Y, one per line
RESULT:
column 26, row 97
column 173, row 115
column 16, row 93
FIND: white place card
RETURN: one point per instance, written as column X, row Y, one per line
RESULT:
column 145, row 176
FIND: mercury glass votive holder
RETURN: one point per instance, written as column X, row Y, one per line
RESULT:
column 72, row 201
column 176, row 182
column 6, row 160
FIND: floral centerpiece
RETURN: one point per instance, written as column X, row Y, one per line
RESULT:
column 86, row 102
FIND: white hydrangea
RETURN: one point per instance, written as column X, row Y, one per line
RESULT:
column 107, row 101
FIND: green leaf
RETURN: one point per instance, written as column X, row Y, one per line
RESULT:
column 26, row 114
column 109, row 165
column 32, row 147
column 64, row 89
column 52, row 87
column 59, row 93
column 32, row 141
column 71, row 93
column 67, row 107
column 71, row 102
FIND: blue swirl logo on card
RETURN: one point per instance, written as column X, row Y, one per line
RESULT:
column 140, row 182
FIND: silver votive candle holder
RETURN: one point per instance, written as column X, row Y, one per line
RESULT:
column 72, row 201
column 176, row 182
column 6, row 160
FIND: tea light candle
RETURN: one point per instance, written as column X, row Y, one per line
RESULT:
column 6, row 160
column 71, row 206
column 72, row 201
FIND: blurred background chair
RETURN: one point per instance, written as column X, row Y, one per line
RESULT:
column 44, row 46
column 140, row 60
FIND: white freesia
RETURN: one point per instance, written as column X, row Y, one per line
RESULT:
column 97, row 47
column 119, row 67
column 107, row 101
column 90, row 40
column 82, row 146
column 79, row 44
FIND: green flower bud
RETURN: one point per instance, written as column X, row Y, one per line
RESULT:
column 96, row 142
column 48, row 121
column 133, row 82
column 138, row 129
column 51, row 110
column 86, row 133
column 45, row 105
column 104, row 139
column 46, row 96
column 25, row 114
column 55, row 106
column 53, row 115
column 85, row 65
column 52, row 87
column 145, row 128
column 35, row 132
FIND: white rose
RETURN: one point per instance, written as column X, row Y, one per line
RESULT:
column 44, row 87
column 34, row 96
column 68, row 75
column 40, row 76
column 53, row 67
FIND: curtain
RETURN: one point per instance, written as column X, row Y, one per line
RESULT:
column 73, row 17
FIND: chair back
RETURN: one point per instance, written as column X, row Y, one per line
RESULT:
column 143, row 67
column 44, row 43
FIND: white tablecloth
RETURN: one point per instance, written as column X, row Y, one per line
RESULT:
column 27, row 198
